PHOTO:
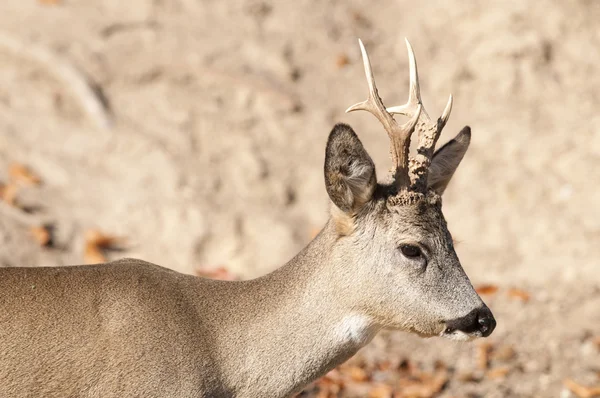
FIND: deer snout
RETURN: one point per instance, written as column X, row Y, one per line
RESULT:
column 486, row 320
column 479, row 322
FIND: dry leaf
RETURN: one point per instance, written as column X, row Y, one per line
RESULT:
column 330, row 384
column 8, row 193
column 93, row 254
column 102, row 240
column 95, row 241
column 334, row 375
column 423, row 384
column 468, row 377
column 328, row 389
column 40, row 234
column 357, row 374
column 22, row 174
column 326, row 394
column 440, row 379
column 497, row 373
column 487, row 289
column 519, row 294
column 220, row 273
column 416, row 389
column 581, row 391
column 504, row 353
column 341, row 60
column 596, row 342
column 381, row 391
column 439, row 365
column 483, row 355
column 50, row 2
column 384, row 365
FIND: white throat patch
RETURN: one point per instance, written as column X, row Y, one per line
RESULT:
column 355, row 329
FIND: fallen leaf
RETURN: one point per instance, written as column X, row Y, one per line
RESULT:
column 439, row 365
column 357, row 374
column 596, row 342
column 8, row 193
column 384, row 365
column 381, row 391
column 439, row 381
column 423, row 384
column 519, row 294
column 355, row 389
column 416, row 389
column 327, row 388
column 468, row 377
column 93, row 254
column 487, row 289
column 41, row 235
column 483, row 355
column 22, row 174
column 504, row 353
column 95, row 242
column 102, row 240
column 220, row 273
column 580, row 390
column 341, row 60
column 333, row 374
column 50, row 2
column 498, row 373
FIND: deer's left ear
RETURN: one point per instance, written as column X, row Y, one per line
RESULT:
column 446, row 160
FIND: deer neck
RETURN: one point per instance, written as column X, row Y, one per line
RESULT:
column 301, row 325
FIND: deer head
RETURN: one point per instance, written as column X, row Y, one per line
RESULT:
column 392, row 236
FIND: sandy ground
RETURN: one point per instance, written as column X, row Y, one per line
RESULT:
column 219, row 112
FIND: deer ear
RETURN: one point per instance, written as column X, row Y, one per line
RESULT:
column 350, row 177
column 446, row 160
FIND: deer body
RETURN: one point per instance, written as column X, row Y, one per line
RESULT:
column 385, row 259
column 132, row 328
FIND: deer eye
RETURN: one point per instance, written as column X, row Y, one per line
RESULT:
column 410, row 251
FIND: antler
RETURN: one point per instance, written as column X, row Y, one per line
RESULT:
column 399, row 134
column 428, row 131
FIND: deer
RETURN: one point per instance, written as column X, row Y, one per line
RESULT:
column 384, row 259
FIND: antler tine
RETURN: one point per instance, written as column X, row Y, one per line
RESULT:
column 414, row 91
column 399, row 134
column 429, row 131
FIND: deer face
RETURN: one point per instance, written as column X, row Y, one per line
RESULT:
column 395, row 246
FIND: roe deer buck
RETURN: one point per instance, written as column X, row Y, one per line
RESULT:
column 385, row 259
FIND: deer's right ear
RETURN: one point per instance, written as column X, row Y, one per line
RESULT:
column 350, row 177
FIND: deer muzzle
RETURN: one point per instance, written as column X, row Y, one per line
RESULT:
column 478, row 323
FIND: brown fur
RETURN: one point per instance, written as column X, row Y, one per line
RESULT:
column 132, row 328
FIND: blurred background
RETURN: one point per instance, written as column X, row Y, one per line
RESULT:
column 192, row 133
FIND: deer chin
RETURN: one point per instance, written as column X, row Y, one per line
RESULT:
column 457, row 335
column 426, row 334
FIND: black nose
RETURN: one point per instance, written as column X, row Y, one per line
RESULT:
column 486, row 321
column 479, row 320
